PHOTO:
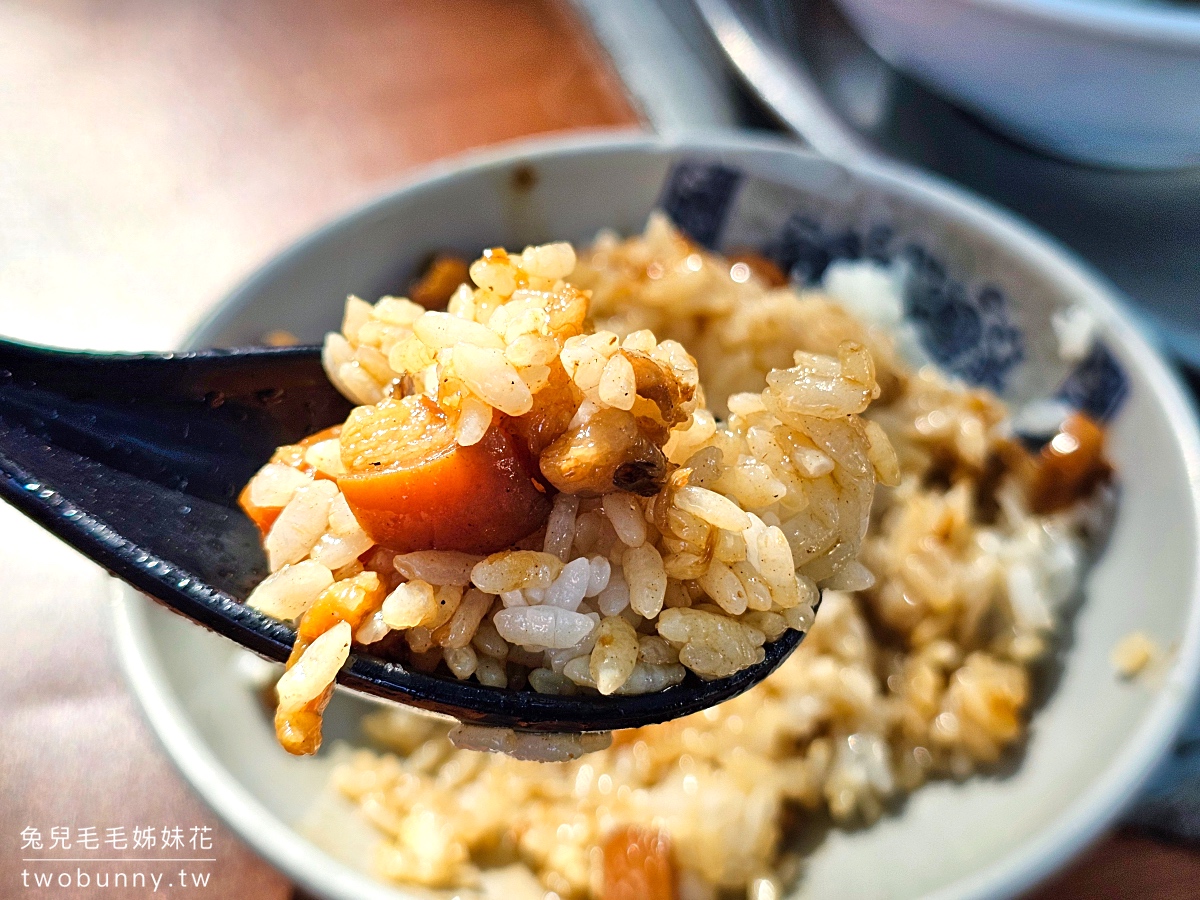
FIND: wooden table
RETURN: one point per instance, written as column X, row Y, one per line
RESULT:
column 151, row 154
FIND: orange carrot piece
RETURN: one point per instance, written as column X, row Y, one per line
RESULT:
column 350, row 600
column 299, row 731
column 638, row 866
column 411, row 487
column 439, row 281
column 262, row 516
column 289, row 455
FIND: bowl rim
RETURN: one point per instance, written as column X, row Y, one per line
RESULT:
column 1151, row 22
column 1080, row 822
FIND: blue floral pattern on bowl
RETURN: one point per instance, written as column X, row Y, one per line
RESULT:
column 969, row 332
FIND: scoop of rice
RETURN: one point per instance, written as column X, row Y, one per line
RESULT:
column 667, row 523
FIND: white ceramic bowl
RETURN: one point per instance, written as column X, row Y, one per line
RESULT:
column 1092, row 743
column 1111, row 82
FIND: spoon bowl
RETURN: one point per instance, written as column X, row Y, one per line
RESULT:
column 136, row 460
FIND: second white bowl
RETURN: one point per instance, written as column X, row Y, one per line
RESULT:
column 1109, row 82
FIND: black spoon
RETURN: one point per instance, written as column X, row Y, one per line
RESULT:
column 136, row 461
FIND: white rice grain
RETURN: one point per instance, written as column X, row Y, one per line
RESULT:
column 724, row 587
column 655, row 651
column 300, row 524
column 373, row 629
column 624, row 513
column 647, row 580
column 488, row 642
column 357, row 313
column 462, row 661
column 446, row 598
column 409, row 605
column 474, row 420
column 615, row 595
column 439, row 330
column 358, row 385
column 853, row 577
column 289, row 592
column 326, row 457
column 489, row 671
column 274, row 484
column 615, row 655
column 341, row 517
column 550, row 261
column 315, row 670
column 718, row 511
column 648, row 679
column 513, row 598
column 437, row 566
column 569, row 588
column 515, row 569
column 467, row 618
column 542, row 626
column 336, row 550
column 618, row 387
column 560, row 527
column 490, row 377
column 547, row 681
column 598, row 576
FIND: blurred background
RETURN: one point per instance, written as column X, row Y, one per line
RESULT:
column 153, row 154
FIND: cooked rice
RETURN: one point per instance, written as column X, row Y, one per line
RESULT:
column 917, row 667
column 1133, row 653
column 710, row 537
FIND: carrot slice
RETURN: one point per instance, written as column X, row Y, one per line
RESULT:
column 289, row 455
column 411, row 487
column 440, row 280
column 350, row 600
column 262, row 516
column 637, row 865
column 299, row 731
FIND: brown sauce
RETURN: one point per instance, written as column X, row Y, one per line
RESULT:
column 1070, row 466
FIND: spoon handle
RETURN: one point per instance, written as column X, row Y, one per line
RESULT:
column 200, row 422
column 135, row 460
